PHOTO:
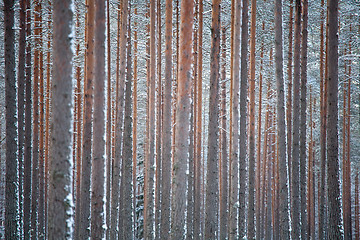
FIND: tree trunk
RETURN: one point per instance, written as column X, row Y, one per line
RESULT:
column 321, row 191
column 12, row 178
column 60, row 187
column 212, row 176
column 243, row 119
column 84, row 229
column 98, row 161
column 178, row 200
column 251, row 187
column 28, row 123
column 283, row 180
column 198, row 156
column 234, row 157
column 334, row 218
column 150, row 161
column 295, row 196
column 224, row 146
column 126, row 195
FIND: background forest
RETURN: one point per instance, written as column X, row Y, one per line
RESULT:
column 183, row 119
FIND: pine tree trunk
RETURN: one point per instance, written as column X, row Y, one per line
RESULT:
column 179, row 196
column 334, row 218
column 84, row 229
column 243, row 119
column 28, row 123
column 166, row 133
column 224, row 146
column 212, row 176
column 295, row 196
column 60, row 187
column 303, row 108
column 283, row 179
column 234, row 157
column 11, row 185
column 198, row 156
column 251, row 187
column 321, row 191
column 98, row 161
column 21, row 104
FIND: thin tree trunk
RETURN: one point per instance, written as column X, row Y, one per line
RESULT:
column 28, row 122
column 289, row 94
column 108, row 124
column 234, row 157
column 334, row 218
column 21, row 105
column 60, row 187
column 283, row 179
column 84, row 229
column 243, row 118
column 178, row 200
column 258, row 156
column 135, row 119
column 223, row 139
column 321, row 191
column 251, row 187
column 35, row 144
column 12, row 178
column 126, row 195
column 303, row 83
column 150, row 161
column 198, row 157
column 166, row 133
column 295, row 196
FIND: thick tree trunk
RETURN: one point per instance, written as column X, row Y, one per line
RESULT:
column 60, row 187
column 179, row 196
column 283, row 180
column 12, row 178
column 98, row 161
column 334, row 218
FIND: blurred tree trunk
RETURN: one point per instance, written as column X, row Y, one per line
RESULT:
column 282, row 168
column 166, row 133
column 60, row 186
